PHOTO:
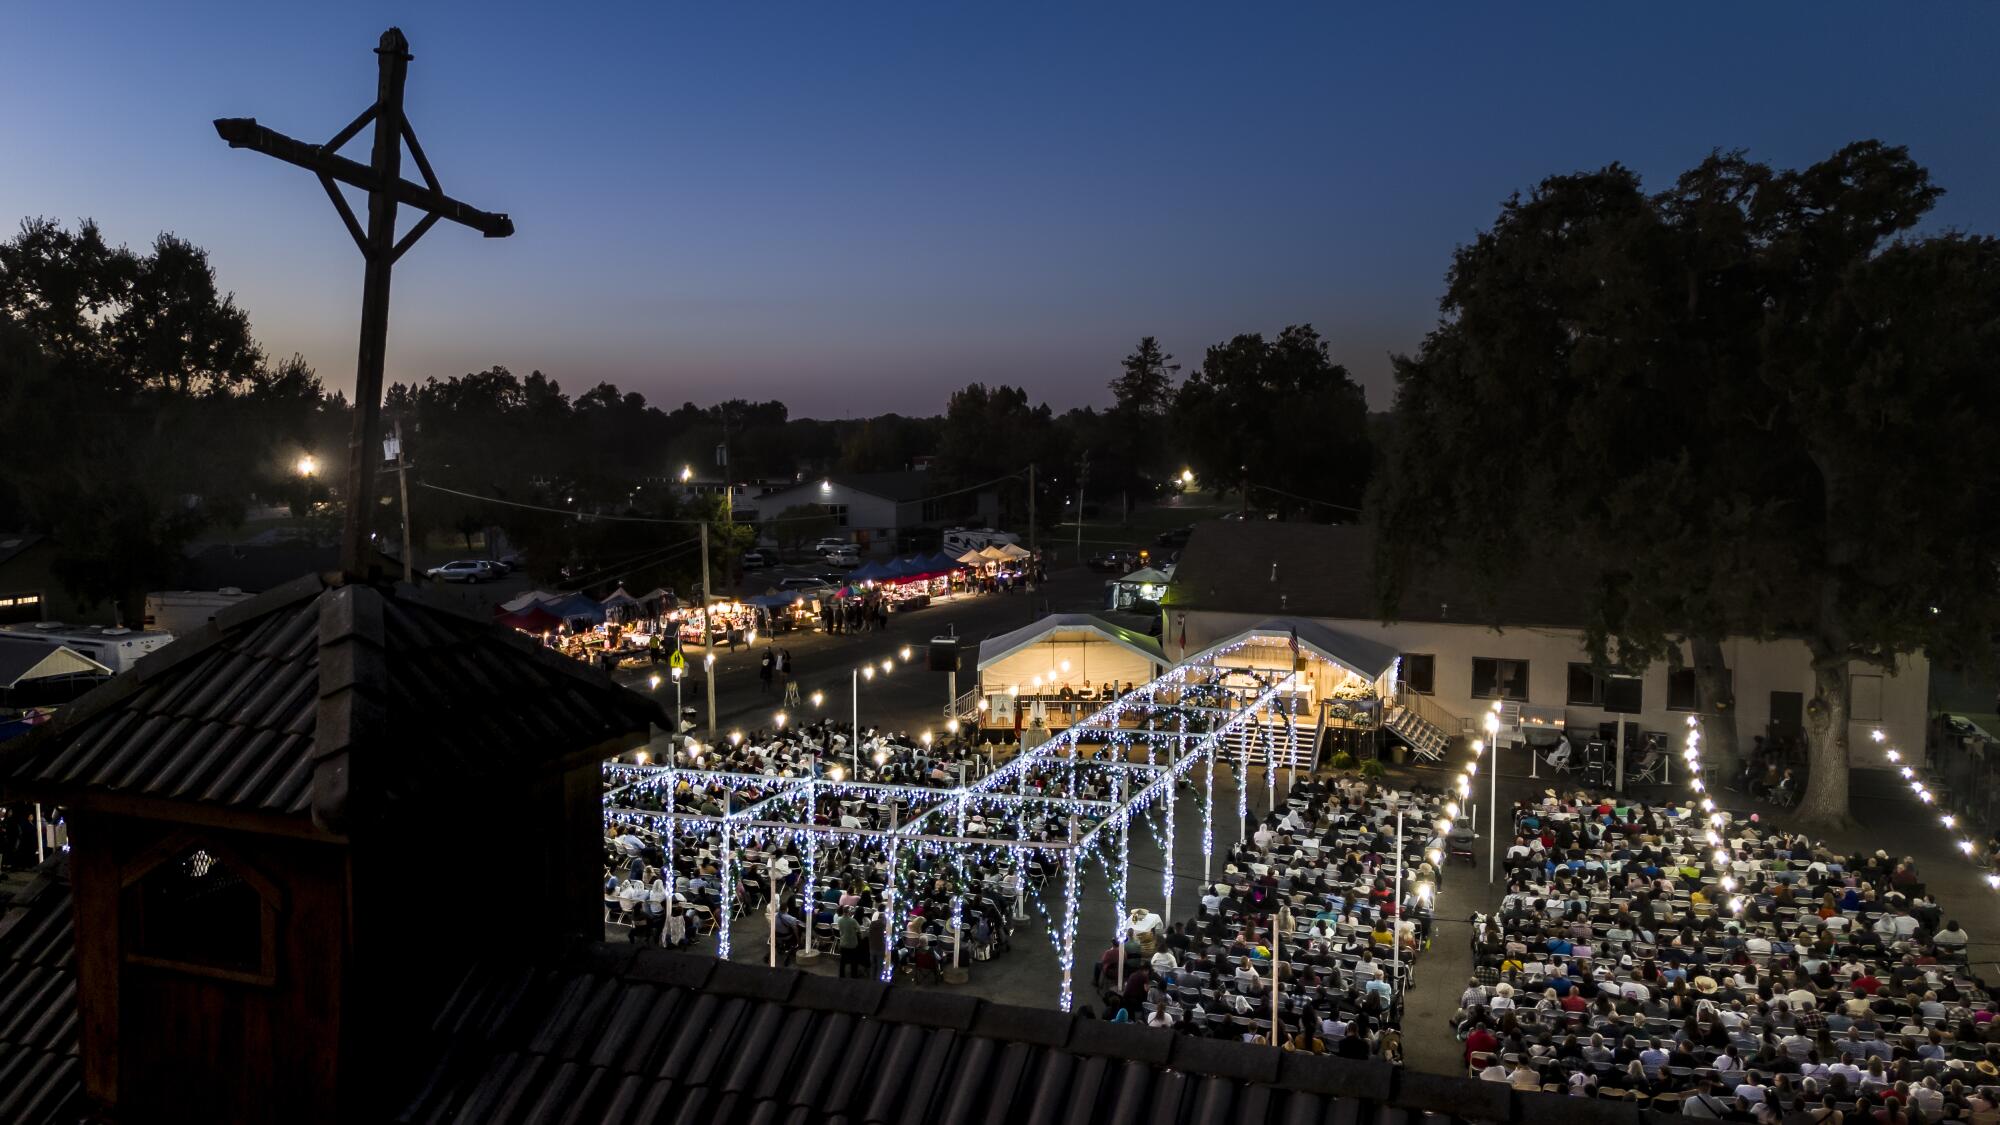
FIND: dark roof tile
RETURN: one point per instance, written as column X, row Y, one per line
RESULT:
column 243, row 713
column 930, row 1009
column 1329, row 571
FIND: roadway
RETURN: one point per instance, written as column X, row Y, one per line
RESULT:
column 910, row 698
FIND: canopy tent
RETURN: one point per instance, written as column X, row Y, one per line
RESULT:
column 942, row 562
column 24, row 662
column 1356, row 656
column 1074, row 649
column 534, row 619
column 870, row 571
column 772, row 601
column 973, row 558
column 523, row 601
column 573, row 607
column 994, row 554
column 1014, row 552
column 618, row 601
column 659, row 599
column 1144, row 585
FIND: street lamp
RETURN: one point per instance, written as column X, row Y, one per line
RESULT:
column 818, row 698
column 1492, row 722
column 1187, row 476
column 904, row 652
column 307, row 465
column 888, row 666
column 687, row 473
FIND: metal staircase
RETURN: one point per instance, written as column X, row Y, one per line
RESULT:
column 1422, row 725
column 1269, row 746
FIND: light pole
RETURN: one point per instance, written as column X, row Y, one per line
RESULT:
column 677, row 672
column 1493, row 791
column 1278, row 965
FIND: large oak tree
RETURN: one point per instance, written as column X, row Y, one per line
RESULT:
column 1751, row 404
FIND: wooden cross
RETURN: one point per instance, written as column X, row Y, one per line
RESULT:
column 382, row 179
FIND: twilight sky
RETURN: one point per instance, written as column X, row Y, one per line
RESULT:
column 857, row 207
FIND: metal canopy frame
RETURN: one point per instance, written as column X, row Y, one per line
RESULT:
column 1189, row 733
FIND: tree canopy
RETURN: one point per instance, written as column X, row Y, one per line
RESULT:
column 135, row 408
column 1750, row 404
column 1280, row 418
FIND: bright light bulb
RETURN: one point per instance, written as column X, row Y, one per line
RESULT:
column 1064, row 666
column 750, row 637
column 1877, row 735
column 927, row 738
column 1907, row 773
column 736, row 738
column 307, row 465
column 836, row 773
column 1451, row 808
column 781, row 720
column 819, row 697
column 653, row 682
column 868, row 673
column 1950, row 821
column 888, row 666
column 951, row 725
column 904, row 652
column 1965, row 846
column 1895, row 755
column 641, row 757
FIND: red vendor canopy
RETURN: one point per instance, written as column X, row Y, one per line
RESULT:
column 531, row 619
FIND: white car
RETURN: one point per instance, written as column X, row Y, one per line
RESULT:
column 462, row 570
column 847, row 557
column 831, row 544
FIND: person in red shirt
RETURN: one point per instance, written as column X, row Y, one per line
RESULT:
column 1574, row 1002
column 1865, row 984
column 1481, row 1040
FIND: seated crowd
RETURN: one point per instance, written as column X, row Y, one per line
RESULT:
column 1759, row 978
column 1329, row 860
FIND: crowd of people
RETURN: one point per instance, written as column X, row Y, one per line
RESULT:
column 1310, row 896
column 1762, row 978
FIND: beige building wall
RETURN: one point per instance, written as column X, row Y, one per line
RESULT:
column 1896, row 701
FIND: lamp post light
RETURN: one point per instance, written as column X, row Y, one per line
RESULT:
column 306, row 466
column 1493, row 791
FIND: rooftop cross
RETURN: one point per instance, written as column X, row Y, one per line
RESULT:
column 382, row 179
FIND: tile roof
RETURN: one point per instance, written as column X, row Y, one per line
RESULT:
column 1320, row 570
column 41, row 1078
column 267, row 709
column 620, row 1034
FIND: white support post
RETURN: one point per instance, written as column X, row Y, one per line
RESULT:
column 1396, row 924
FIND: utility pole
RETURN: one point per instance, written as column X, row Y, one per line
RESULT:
column 403, row 487
column 1243, row 509
column 708, row 632
column 1031, row 507
column 1082, row 476
column 382, row 179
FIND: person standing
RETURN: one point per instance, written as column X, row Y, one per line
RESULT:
column 766, row 668
column 847, row 942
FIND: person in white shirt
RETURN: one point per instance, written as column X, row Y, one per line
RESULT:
column 1163, row 961
column 1757, row 945
column 1703, row 1102
column 1503, row 997
column 1951, row 936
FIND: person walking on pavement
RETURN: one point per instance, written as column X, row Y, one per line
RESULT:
column 766, row 668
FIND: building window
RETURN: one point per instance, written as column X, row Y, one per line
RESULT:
column 1684, row 691
column 1585, row 689
column 1499, row 679
column 838, row 512
column 1618, row 694
column 198, row 912
column 20, row 607
column 1420, row 672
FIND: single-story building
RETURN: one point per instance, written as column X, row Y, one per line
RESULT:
column 1523, row 646
column 879, row 510
column 29, row 589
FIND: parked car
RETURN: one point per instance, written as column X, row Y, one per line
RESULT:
column 831, row 543
column 831, row 578
column 755, row 560
column 849, row 557
column 802, row 584
column 463, row 570
column 1175, row 538
column 1114, row 562
column 958, row 540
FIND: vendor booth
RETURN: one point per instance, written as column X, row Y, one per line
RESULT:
column 1141, row 589
column 1046, row 675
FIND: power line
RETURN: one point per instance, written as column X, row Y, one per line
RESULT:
column 1307, row 499
column 1015, row 475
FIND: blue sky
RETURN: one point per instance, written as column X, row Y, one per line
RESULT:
column 858, row 207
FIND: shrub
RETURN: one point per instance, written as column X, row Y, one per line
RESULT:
column 1343, row 761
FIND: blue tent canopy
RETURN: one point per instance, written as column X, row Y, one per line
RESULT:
column 868, row 572
column 570, row 607
column 772, row 601
column 943, row 562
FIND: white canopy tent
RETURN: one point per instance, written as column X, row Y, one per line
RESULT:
column 1075, row 650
